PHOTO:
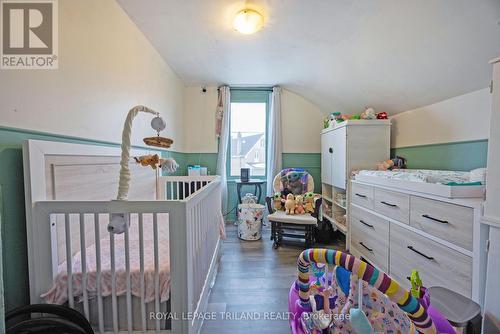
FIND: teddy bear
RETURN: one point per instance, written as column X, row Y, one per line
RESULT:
column 290, row 204
column 299, row 205
column 309, row 202
column 369, row 113
column 277, row 201
column 148, row 160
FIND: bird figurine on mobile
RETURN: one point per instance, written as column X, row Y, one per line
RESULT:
column 119, row 222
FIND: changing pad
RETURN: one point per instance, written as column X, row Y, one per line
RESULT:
column 422, row 175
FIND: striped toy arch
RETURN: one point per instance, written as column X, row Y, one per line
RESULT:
column 376, row 278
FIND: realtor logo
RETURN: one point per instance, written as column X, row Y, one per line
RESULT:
column 29, row 36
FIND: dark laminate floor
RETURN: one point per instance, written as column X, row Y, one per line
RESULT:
column 253, row 280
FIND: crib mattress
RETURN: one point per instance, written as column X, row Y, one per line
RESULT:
column 450, row 184
column 58, row 294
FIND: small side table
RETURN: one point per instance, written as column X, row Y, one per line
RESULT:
column 257, row 188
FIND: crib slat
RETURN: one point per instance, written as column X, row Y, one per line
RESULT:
column 141, row 264
column 100, row 311
column 83, row 253
column 114, row 304
column 157, row 268
column 179, row 185
column 127, row 269
column 171, row 191
column 69, row 260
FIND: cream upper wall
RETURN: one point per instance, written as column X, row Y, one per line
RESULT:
column 462, row 118
column 301, row 121
column 106, row 67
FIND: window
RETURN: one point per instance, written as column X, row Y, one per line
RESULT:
column 247, row 149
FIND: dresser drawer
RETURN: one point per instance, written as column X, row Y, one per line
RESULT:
column 447, row 221
column 437, row 264
column 370, row 238
column 392, row 204
column 362, row 195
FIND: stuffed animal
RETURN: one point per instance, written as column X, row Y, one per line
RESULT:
column 382, row 115
column 278, row 201
column 290, row 204
column 293, row 181
column 148, row 160
column 355, row 117
column 168, row 165
column 369, row 113
column 385, row 165
column 309, row 202
column 299, row 205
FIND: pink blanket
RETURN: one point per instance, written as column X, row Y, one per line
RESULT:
column 58, row 294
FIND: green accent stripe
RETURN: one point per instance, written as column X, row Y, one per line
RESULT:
column 461, row 156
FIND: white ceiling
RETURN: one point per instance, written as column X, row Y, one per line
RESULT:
column 343, row 55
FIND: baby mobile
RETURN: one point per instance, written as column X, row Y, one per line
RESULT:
column 119, row 222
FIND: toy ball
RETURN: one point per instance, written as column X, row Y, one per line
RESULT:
column 158, row 123
column 382, row 115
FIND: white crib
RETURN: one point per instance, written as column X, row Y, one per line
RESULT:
column 66, row 219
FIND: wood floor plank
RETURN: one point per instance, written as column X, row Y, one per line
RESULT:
column 254, row 279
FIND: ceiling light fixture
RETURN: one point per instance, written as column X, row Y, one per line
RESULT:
column 248, row 21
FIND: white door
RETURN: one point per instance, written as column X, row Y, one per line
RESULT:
column 339, row 158
column 492, row 294
column 326, row 157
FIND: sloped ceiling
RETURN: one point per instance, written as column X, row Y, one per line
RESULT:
column 394, row 55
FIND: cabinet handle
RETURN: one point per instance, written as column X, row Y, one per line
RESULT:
column 362, row 222
column 359, row 195
column 435, row 219
column 369, row 249
column 389, row 204
column 330, row 150
column 420, row 253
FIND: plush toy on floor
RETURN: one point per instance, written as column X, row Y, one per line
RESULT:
column 290, row 204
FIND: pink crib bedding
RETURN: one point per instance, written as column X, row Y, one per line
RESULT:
column 58, row 294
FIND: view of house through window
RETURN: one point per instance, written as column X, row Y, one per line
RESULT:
column 248, row 137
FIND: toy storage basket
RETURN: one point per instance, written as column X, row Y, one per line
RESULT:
column 250, row 219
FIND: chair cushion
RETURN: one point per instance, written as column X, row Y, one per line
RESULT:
column 282, row 217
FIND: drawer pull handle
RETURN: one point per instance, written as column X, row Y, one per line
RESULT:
column 359, row 195
column 435, row 219
column 330, row 150
column 364, row 223
column 368, row 248
column 420, row 253
column 389, row 204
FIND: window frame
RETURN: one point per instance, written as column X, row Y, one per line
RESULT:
column 244, row 95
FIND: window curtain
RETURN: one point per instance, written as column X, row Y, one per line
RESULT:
column 223, row 110
column 275, row 141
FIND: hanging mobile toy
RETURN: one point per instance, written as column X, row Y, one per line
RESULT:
column 119, row 222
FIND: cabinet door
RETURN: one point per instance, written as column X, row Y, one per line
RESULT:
column 339, row 158
column 326, row 157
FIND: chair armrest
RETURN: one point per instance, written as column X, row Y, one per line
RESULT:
column 269, row 205
column 317, row 207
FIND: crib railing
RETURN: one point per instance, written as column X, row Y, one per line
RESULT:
column 192, row 211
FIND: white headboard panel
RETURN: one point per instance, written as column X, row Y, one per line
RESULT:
column 63, row 171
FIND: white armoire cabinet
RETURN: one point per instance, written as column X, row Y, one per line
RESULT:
column 492, row 211
column 351, row 145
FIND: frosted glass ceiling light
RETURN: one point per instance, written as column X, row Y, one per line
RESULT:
column 248, row 21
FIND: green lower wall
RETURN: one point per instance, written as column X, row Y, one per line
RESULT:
column 462, row 156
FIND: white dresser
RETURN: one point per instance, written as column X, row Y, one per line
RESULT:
column 351, row 145
column 398, row 230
